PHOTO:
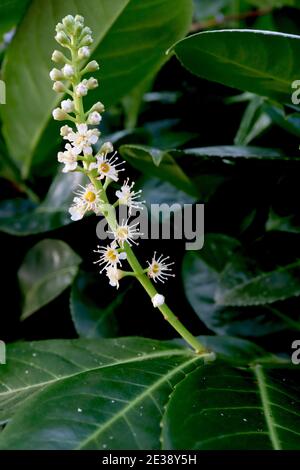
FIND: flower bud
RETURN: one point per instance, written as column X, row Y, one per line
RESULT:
column 106, row 148
column 99, row 107
column 79, row 19
column 62, row 38
column 59, row 115
column 59, row 87
column 56, row 74
column 94, row 118
column 84, row 52
column 65, row 130
column 58, row 57
column 69, row 22
column 68, row 71
column 81, row 90
column 59, row 27
column 158, row 300
column 92, row 66
column 92, row 83
column 67, row 106
column 86, row 40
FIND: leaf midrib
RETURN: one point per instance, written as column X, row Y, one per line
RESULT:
column 136, row 400
column 266, row 405
column 104, row 366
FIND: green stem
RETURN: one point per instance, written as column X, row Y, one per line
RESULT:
column 146, row 283
column 112, row 222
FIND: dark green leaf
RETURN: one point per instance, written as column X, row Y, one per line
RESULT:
column 242, row 283
column 244, row 59
column 93, row 307
column 157, row 163
column 47, row 270
column 51, row 214
column 201, row 277
column 88, row 394
column 234, row 409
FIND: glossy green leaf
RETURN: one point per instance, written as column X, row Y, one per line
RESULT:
column 244, row 59
column 127, row 54
column 51, row 214
column 93, row 306
column 202, row 273
column 47, row 270
column 243, row 284
column 158, row 163
column 256, row 408
column 88, row 394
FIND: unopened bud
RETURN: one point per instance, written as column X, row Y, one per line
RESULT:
column 56, row 74
column 59, row 87
column 67, row 106
column 106, row 148
column 92, row 66
column 86, row 40
column 58, row 57
column 94, row 118
column 59, row 115
column 68, row 22
column 79, row 19
column 65, row 130
column 81, row 90
column 92, row 83
column 99, row 107
column 68, row 71
column 62, row 38
column 84, row 52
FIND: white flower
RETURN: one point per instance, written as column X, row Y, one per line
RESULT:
column 84, row 138
column 109, row 256
column 65, row 130
column 107, row 167
column 87, row 199
column 127, row 197
column 114, row 275
column 94, row 118
column 67, row 106
column 68, row 71
column 69, row 158
column 158, row 300
column 81, row 90
column 84, row 52
column 126, row 233
column 158, row 269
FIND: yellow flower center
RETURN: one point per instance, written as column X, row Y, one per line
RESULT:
column 155, row 268
column 111, row 255
column 104, row 167
column 122, row 233
column 90, row 196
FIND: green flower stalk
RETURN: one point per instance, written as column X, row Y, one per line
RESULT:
column 102, row 168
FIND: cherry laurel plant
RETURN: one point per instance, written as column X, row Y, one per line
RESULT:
column 102, row 168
